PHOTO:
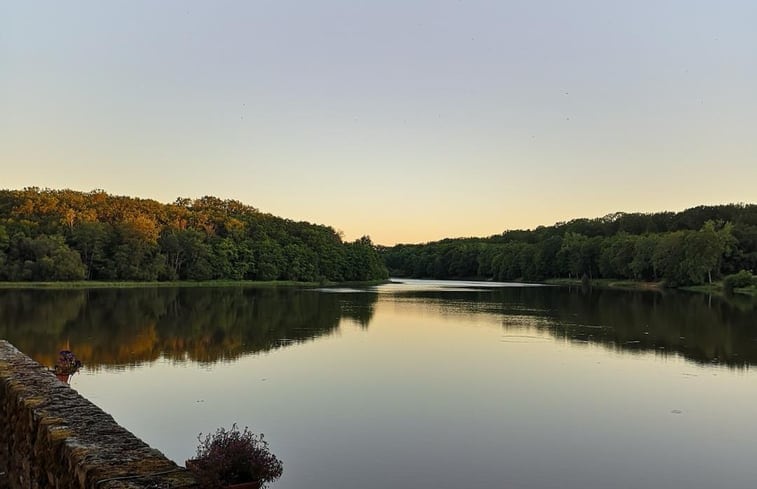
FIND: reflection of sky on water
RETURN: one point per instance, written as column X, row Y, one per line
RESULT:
column 408, row 284
column 420, row 385
column 398, row 286
column 425, row 398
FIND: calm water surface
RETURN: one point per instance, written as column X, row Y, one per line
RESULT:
column 423, row 384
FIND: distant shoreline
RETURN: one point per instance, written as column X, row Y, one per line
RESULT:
column 179, row 284
column 607, row 283
column 716, row 288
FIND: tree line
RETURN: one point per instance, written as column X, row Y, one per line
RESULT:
column 691, row 247
column 62, row 235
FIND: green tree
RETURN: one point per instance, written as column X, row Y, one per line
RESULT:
column 546, row 257
column 4, row 240
column 45, row 258
column 89, row 239
column 616, row 256
column 299, row 263
column 705, row 248
column 668, row 258
column 643, row 265
column 363, row 262
column 572, row 252
column 269, row 259
column 131, row 256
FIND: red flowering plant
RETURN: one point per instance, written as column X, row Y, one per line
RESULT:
column 229, row 457
column 67, row 363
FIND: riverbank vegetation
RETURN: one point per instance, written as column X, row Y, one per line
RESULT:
column 692, row 247
column 95, row 284
column 64, row 235
column 606, row 283
column 743, row 282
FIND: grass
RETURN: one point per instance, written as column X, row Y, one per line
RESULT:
column 716, row 288
column 606, row 283
column 746, row 290
column 185, row 283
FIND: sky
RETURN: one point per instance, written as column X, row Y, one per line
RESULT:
column 408, row 121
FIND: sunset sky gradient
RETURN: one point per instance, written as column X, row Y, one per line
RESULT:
column 407, row 120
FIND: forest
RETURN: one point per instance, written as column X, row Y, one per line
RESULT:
column 691, row 247
column 66, row 235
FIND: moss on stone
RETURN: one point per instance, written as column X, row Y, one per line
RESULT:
column 59, row 433
column 51, row 421
column 33, row 402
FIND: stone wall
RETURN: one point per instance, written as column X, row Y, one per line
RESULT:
column 51, row 437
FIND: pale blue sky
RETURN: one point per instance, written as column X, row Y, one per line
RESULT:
column 405, row 120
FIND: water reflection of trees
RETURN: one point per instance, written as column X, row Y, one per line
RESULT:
column 117, row 327
column 701, row 328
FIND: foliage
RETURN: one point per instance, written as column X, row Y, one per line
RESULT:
column 742, row 279
column 67, row 363
column 232, row 457
column 64, row 235
column 691, row 247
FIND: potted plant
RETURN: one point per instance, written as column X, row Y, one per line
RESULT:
column 66, row 366
column 234, row 459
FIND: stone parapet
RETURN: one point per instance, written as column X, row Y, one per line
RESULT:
column 52, row 437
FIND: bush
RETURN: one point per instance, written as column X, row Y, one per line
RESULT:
column 740, row 279
column 232, row 457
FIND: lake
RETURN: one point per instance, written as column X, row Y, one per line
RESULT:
column 422, row 384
